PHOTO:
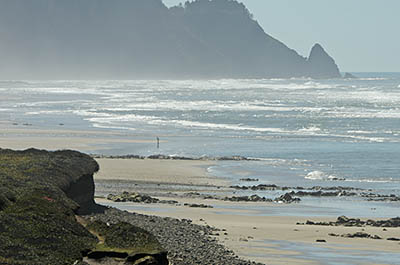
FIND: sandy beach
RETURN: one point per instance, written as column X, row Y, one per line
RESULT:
column 158, row 171
column 248, row 234
column 20, row 136
column 269, row 239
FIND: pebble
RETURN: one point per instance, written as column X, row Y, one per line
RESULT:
column 186, row 243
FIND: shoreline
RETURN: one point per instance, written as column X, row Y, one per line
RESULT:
column 274, row 242
column 258, row 238
column 238, row 219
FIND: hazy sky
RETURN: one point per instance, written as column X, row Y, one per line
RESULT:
column 362, row 35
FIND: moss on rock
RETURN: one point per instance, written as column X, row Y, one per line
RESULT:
column 40, row 194
column 37, row 219
column 126, row 237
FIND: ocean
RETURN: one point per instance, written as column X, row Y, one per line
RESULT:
column 303, row 132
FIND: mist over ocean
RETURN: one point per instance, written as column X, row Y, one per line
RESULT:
column 306, row 132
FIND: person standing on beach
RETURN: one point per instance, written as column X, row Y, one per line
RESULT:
column 158, row 143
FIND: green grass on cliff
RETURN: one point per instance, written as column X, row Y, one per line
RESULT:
column 38, row 225
column 37, row 220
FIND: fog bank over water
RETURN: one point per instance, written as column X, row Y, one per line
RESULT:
column 143, row 39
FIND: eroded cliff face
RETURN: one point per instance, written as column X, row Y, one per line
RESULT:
column 37, row 218
column 82, row 191
column 40, row 194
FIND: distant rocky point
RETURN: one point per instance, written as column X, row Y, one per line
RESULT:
column 125, row 39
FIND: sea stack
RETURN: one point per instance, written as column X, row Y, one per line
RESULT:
column 321, row 64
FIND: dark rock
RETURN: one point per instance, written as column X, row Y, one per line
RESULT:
column 342, row 219
column 320, row 193
column 361, row 235
column 393, row 239
column 357, row 234
column 355, row 222
column 249, row 180
column 132, row 197
column 349, row 76
column 320, row 240
column 287, row 198
column 380, row 197
column 194, row 205
column 252, row 198
column 233, row 158
column 168, row 202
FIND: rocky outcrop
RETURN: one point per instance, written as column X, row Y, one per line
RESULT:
column 321, row 64
column 37, row 213
column 123, row 241
column 41, row 194
column 287, row 198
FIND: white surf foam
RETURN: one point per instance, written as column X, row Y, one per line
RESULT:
column 319, row 175
column 379, row 180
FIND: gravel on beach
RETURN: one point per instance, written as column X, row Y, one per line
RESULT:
column 185, row 242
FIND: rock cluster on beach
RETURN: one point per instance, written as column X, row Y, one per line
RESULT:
column 136, row 197
column 251, row 198
column 319, row 191
column 313, row 191
column 356, row 222
column 287, row 198
column 380, row 197
column 143, row 198
column 358, row 235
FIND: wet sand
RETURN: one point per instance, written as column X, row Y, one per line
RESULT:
column 182, row 172
column 249, row 234
column 20, row 137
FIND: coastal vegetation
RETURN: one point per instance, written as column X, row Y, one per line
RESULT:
column 40, row 196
